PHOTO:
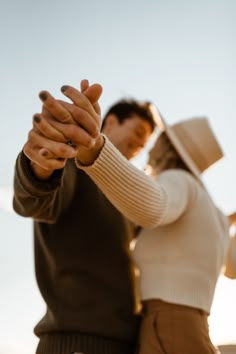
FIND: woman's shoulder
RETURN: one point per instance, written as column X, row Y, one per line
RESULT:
column 178, row 174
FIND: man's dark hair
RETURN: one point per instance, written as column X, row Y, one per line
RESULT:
column 125, row 108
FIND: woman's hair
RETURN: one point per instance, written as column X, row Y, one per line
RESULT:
column 163, row 156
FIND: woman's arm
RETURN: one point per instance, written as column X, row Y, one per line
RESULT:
column 144, row 201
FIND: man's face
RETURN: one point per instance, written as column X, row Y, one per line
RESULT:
column 130, row 136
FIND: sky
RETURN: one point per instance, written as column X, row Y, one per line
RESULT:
column 179, row 54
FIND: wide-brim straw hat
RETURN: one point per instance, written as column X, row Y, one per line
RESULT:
column 194, row 141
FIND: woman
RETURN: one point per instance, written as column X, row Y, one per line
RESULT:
column 182, row 246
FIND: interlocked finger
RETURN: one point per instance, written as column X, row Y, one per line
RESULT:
column 84, row 84
column 45, row 128
column 40, row 149
column 82, row 118
column 70, row 134
column 93, row 93
column 80, row 100
column 74, row 134
column 55, row 108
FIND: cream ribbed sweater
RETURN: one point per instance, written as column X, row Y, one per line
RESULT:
column 181, row 250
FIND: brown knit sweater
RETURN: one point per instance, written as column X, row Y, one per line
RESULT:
column 82, row 262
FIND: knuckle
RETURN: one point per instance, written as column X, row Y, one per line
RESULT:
column 50, row 164
column 31, row 136
column 26, row 149
column 70, row 132
column 50, row 103
column 73, row 132
column 62, row 149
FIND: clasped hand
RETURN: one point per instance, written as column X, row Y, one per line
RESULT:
column 65, row 130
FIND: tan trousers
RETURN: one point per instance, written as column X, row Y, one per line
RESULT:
column 173, row 329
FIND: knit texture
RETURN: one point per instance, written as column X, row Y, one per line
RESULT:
column 82, row 343
column 130, row 192
column 182, row 250
column 82, row 262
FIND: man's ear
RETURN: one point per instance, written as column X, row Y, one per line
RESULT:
column 111, row 122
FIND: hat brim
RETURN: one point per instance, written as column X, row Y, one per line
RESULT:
column 175, row 141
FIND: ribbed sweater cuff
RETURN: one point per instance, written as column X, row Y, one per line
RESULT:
column 60, row 343
column 32, row 183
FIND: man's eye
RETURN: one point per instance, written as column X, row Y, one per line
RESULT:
column 139, row 134
column 130, row 146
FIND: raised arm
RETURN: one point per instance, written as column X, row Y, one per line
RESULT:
column 144, row 201
column 40, row 166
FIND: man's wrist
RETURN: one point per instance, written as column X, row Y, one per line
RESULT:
column 41, row 173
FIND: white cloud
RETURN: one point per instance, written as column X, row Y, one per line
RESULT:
column 6, row 195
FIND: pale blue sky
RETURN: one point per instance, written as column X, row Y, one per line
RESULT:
column 179, row 54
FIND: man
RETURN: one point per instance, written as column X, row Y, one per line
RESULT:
column 82, row 259
column 143, row 201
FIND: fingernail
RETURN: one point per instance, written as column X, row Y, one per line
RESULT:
column 43, row 96
column 64, row 88
column 37, row 119
column 45, row 153
column 69, row 142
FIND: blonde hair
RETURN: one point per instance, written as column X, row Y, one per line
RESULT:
column 163, row 156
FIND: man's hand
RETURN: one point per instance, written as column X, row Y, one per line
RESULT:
column 79, row 122
column 64, row 130
column 46, row 148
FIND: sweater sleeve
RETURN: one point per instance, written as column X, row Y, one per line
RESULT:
column 33, row 197
column 146, row 202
